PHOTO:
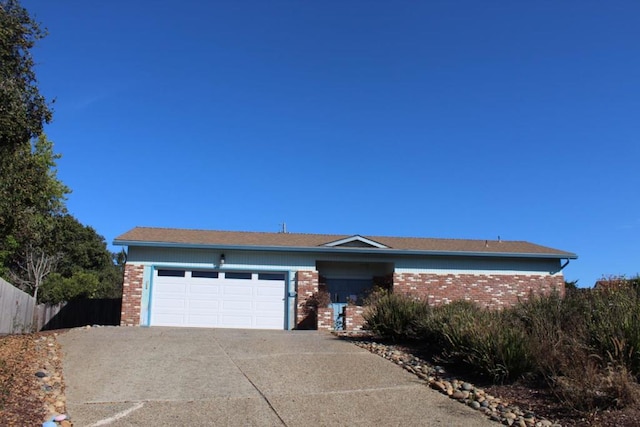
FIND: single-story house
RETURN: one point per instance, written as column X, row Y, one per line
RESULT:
column 203, row 278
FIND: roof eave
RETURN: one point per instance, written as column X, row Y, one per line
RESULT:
column 356, row 250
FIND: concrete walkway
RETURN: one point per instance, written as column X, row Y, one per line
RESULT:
column 205, row 377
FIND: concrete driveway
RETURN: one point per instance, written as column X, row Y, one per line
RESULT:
column 205, row 377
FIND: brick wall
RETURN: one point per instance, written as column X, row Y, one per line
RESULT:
column 306, row 286
column 131, row 295
column 325, row 319
column 353, row 318
column 491, row 290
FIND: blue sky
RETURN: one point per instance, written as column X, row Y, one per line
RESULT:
column 456, row 119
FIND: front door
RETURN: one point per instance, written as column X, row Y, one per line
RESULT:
column 344, row 291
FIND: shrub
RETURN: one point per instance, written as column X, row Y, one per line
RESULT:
column 586, row 386
column 485, row 341
column 613, row 326
column 552, row 326
column 82, row 284
column 585, row 346
column 394, row 316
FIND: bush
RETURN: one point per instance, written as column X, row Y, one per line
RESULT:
column 586, row 346
column 394, row 316
column 485, row 341
column 82, row 284
column 613, row 326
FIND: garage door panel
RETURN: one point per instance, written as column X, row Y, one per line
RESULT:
column 269, row 307
column 169, row 319
column 203, row 290
column 237, row 291
column 239, row 305
column 215, row 301
column 173, row 288
column 204, row 305
column 203, row 320
column 164, row 304
column 269, row 292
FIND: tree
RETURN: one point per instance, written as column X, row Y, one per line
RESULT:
column 82, row 284
column 32, row 269
column 40, row 244
column 85, row 268
column 23, row 110
column 82, row 248
column 29, row 189
column 31, row 196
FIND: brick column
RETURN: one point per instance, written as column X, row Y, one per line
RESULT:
column 353, row 318
column 131, row 295
column 325, row 319
column 306, row 286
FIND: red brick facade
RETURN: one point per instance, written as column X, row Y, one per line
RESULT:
column 306, row 286
column 353, row 317
column 131, row 295
column 325, row 319
column 490, row 290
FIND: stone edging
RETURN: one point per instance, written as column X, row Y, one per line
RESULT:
column 51, row 381
column 464, row 392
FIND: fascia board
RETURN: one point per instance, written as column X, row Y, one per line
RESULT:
column 355, row 250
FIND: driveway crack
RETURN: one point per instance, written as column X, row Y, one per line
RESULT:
column 264, row 397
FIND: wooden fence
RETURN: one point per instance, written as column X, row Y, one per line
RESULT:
column 79, row 312
column 16, row 309
column 17, row 312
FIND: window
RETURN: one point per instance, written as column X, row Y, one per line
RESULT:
column 242, row 276
column 271, row 276
column 204, row 274
column 171, row 273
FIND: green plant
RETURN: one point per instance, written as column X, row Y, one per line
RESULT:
column 488, row 342
column 613, row 325
column 394, row 316
column 585, row 345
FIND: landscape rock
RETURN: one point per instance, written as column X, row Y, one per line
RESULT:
column 465, row 392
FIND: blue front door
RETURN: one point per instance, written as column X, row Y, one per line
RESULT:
column 343, row 291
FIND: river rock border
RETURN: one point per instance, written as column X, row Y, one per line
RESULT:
column 464, row 392
column 51, row 382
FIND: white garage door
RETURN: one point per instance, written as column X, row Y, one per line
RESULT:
column 218, row 299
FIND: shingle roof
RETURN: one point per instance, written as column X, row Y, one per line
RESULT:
column 144, row 236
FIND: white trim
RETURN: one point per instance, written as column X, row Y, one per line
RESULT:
column 356, row 238
column 476, row 272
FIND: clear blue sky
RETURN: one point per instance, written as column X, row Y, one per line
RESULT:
column 457, row 119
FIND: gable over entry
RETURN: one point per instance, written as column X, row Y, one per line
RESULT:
column 489, row 272
column 355, row 242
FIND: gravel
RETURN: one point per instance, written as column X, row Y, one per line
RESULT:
column 31, row 382
column 511, row 404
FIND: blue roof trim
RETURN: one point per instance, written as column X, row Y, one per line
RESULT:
column 342, row 249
